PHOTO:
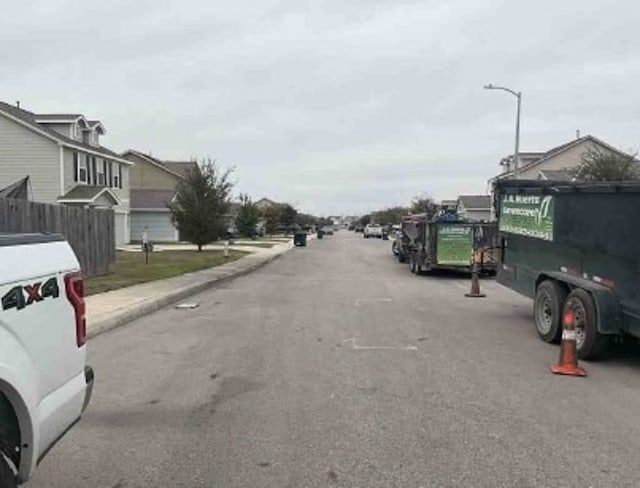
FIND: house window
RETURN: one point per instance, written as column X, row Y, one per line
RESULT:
column 101, row 170
column 75, row 166
column 94, row 172
column 110, row 173
column 117, row 177
column 82, row 169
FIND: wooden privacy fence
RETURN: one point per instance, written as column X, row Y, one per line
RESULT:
column 90, row 231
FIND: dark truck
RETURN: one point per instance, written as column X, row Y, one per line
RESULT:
column 573, row 246
column 445, row 242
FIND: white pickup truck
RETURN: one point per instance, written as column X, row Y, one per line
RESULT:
column 45, row 384
column 373, row 230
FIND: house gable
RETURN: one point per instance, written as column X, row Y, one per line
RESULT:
column 568, row 157
column 149, row 175
column 24, row 152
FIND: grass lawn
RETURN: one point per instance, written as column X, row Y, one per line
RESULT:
column 131, row 270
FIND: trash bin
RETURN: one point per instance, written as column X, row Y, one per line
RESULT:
column 300, row 239
column 320, row 233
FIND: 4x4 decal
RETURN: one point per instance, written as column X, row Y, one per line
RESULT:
column 21, row 296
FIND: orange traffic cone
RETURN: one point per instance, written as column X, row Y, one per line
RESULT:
column 568, row 363
column 475, row 284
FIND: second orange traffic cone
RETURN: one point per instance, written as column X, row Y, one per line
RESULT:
column 568, row 363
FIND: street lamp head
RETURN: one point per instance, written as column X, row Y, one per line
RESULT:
column 489, row 86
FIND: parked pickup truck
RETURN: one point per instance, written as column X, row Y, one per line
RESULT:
column 373, row 230
column 45, row 384
column 573, row 247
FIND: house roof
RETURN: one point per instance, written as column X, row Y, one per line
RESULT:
column 87, row 194
column 29, row 119
column 19, row 189
column 553, row 152
column 176, row 168
column 52, row 117
column 475, row 202
column 151, row 199
column 555, row 175
column 524, row 157
column 182, row 168
column 266, row 201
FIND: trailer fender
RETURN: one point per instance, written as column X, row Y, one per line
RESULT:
column 610, row 320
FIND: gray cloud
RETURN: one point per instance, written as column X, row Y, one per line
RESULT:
column 336, row 106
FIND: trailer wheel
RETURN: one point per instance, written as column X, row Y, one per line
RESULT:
column 589, row 342
column 547, row 310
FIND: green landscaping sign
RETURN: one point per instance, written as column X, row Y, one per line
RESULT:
column 455, row 245
column 528, row 215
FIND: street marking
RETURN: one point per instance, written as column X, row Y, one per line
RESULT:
column 187, row 306
column 356, row 347
column 361, row 301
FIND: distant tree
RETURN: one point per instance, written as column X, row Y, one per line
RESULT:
column 248, row 217
column 598, row 165
column 365, row 220
column 288, row 216
column 390, row 216
column 306, row 220
column 271, row 216
column 423, row 204
column 201, row 204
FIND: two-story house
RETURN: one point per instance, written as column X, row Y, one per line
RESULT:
column 153, row 186
column 557, row 163
column 474, row 208
column 65, row 162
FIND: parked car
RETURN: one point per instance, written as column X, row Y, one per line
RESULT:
column 572, row 247
column 327, row 230
column 373, row 230
column 359, row 228
column 45, row 384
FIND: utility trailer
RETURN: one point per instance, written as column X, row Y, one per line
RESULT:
column 449, row 243
column 573, row 247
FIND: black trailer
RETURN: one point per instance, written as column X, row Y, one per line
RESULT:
column 448, row 244
column 573, row 247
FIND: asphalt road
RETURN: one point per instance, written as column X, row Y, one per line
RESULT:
column 335, row 367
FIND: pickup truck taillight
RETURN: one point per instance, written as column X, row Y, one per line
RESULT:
column 74, row 286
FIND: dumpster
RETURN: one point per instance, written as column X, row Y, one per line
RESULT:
column 300, row 239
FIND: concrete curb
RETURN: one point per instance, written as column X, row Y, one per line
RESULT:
column 125, row 316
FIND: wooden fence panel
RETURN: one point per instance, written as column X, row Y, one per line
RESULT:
column 91, row 232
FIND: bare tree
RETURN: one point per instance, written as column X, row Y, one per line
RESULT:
column 598, row 165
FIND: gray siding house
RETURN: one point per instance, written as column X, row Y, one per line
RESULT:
column 153, row 186
column 556, row 163
column 62, row 156
column 474, row 208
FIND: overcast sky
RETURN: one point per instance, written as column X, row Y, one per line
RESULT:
column 339, row 106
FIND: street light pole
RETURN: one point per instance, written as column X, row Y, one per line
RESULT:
column 516, row 153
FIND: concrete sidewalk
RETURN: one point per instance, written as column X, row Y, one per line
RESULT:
column 106, row 311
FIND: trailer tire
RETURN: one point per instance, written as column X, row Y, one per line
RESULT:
column 547, row 310
column 590, row 343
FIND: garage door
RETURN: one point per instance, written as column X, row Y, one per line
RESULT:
column 158, row 225
column 121, row 223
